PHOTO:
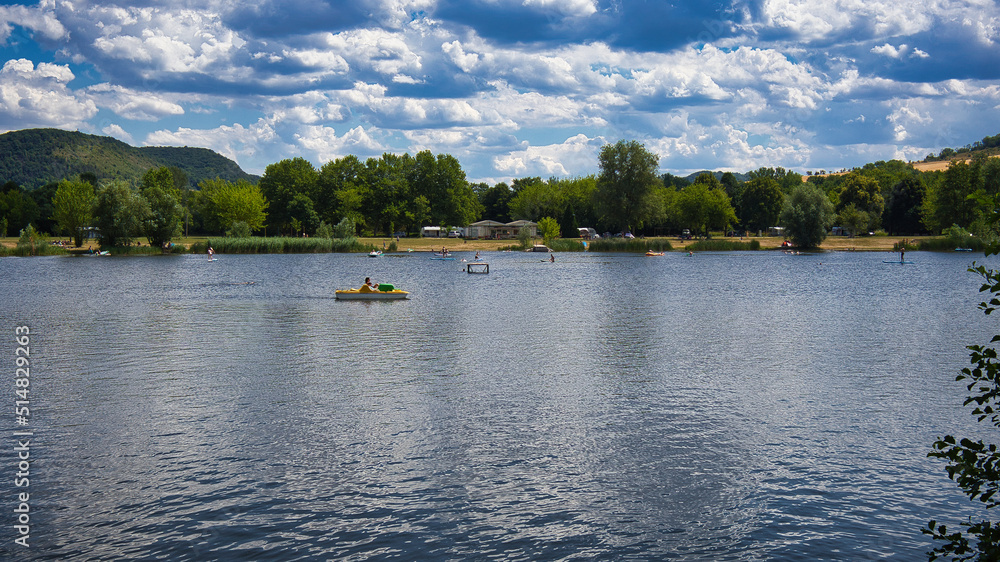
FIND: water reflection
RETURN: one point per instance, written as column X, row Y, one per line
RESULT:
column 612, row 406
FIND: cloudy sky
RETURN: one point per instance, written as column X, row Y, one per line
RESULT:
column 512, row 88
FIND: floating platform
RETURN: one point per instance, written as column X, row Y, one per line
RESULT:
column 477, row 267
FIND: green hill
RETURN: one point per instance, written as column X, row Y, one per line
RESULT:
column 35, row 157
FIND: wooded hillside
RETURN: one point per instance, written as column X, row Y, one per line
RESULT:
column 35, row 157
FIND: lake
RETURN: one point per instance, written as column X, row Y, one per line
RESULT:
column 725, row 406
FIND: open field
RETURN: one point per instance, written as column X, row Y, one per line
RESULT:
column 935, row 166
column 833, row 243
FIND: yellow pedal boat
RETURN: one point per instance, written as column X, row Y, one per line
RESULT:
column 385, row 292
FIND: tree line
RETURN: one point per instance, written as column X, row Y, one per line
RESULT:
column 400, row 193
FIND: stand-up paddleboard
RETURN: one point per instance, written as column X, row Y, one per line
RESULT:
column 896, row 261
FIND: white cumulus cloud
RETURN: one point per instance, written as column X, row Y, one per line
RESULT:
column 38, row 96
column 132, row 104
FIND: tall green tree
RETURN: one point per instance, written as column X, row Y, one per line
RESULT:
column 807, row 215
column 496, row 202
column 389, row 191
column 853, row 219
column 887, row 174
column 760, row 203
column 342, row 189
column 580, row 195
column 731, row 184
column 948, row 202
column 720, row 214
column 461, row 206
column 536, row 200
column 182, row 187
column 692, row 207
column 73, row 206
column 548, row 228
column 42, row 196
column 704, row 205
column 241, row 201
column 17, row 207
column 442, row 182
column 866, row 195
column 303, row 214
column 119, row 212
column 628, row 175
column 162, row 221
column 569, row 228
column 281, row 182
column 787, row 179
column 904, row 205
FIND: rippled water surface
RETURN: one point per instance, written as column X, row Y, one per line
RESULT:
column 737, row 406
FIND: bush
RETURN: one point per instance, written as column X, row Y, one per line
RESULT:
column 34, row 243
column 344, row 228
column 239, row 229
column 324, row 230
column 524, row 238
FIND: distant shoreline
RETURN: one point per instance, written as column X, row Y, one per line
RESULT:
column 416, row 244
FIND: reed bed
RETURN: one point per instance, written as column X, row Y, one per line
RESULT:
column 40, row 250
column 949, row 244
column 723, row 246
column 636, row 245
column 280, row 245
column 566, row 245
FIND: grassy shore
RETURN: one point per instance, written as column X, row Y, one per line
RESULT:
column 832, row 243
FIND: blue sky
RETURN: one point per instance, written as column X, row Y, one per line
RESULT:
column 512, row 88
